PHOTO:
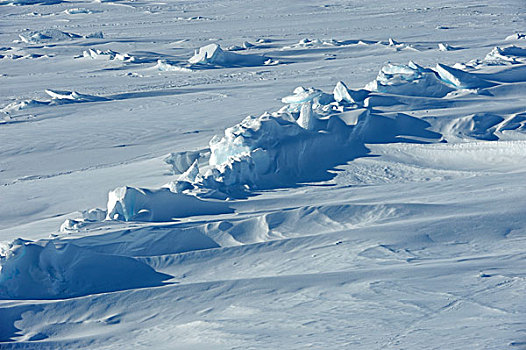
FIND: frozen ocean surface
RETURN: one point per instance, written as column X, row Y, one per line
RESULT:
column 253, row 175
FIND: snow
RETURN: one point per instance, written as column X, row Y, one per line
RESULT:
column 274, row 175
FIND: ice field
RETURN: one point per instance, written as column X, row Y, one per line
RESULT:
column 258, row 175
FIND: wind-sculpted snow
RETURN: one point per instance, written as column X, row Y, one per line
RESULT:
column 33, row 271
column 342, row 215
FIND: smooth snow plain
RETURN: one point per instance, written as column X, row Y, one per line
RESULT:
column 253, row 175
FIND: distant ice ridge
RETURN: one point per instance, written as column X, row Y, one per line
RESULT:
column 51, row 35
column 57, row 97
column 314, row 132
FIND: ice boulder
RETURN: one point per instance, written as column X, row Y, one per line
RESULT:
column 410, row 80
column 35, row 271
column 213, row 55
column 140, row 204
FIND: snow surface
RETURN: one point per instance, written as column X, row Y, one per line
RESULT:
column 218, row 175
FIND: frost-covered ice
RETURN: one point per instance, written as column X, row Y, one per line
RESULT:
column 265, row 190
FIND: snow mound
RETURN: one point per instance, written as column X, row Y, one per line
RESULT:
column 32, row 271
column 213, row 55
column 410, row 80
column 480, row 126
column 140, row 204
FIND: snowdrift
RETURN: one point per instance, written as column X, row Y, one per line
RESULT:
column 140, row 204
column 32, row 271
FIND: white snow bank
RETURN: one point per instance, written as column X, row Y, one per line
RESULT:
column 410, row 79
column 32, row 271
column 140, row 204
column 213, row 55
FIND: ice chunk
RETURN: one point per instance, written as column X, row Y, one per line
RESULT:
column 213, row 55
column 460, row 79
column 445, row 47
column 343, row 94
column 140, row 204
column 191, row 174
column 181, row 161
column 32, row 271
column 307, row 119
column 107, row 55
column 273, row 150
column 165, row 66
column 302, row 95
column 410, row 79
column 506, row 55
